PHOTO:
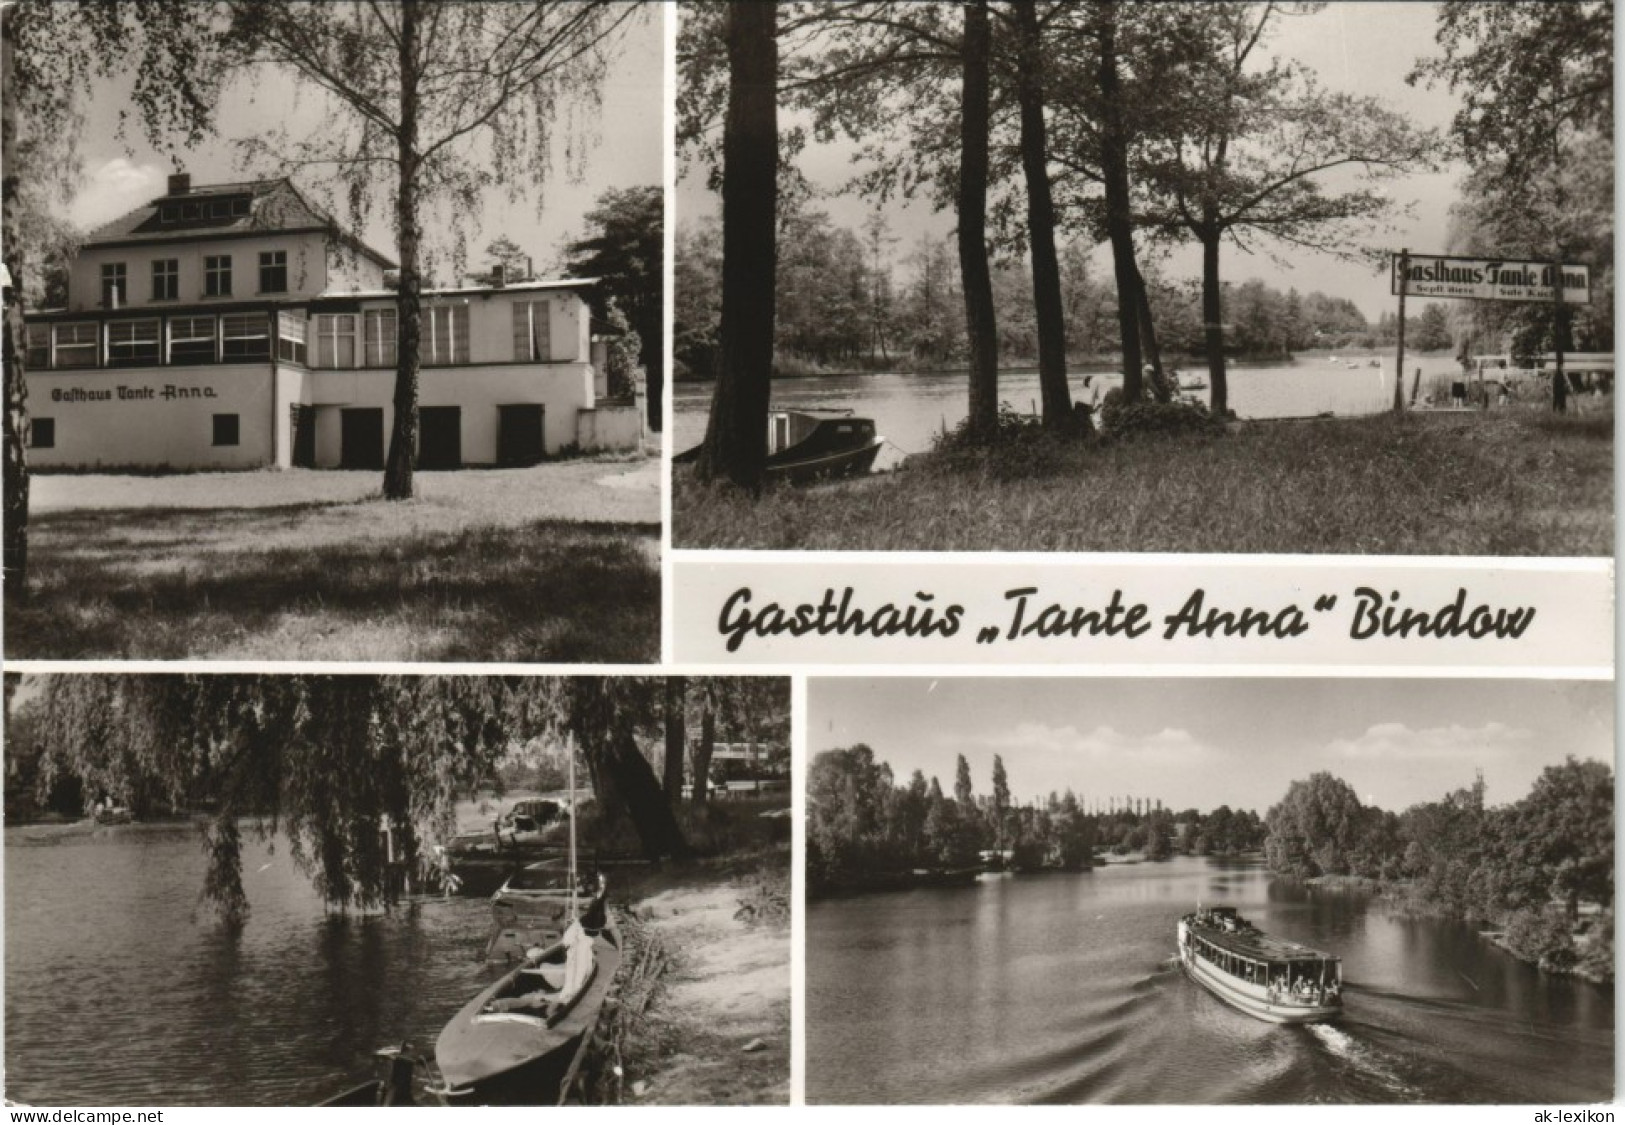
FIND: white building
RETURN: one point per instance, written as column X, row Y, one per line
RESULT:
column 234, row 327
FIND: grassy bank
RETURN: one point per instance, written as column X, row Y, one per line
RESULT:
column 553, row 563
column 1511, row 482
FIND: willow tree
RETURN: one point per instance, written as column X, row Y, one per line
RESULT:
column 329, row 762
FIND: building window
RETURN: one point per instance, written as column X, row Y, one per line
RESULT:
column 39, row 346
column 132, row 342
column 239, row 206
column 76, row 345
column 380, row 337
column 219, row 209
column 115, row 291
column 225, row 429
column 335, row 340
column 217, row 276
column 532, row 332
column 191, row 211
column 170, row 212
column 290, row 333
column 42, row 433
column 274, row 271
column 191, row 339
column 166, row 279
column 443, row 338
column 245, row 336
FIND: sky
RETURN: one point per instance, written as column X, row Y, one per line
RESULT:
column 1358, row 48
column 626, row 150
column 1205, row 742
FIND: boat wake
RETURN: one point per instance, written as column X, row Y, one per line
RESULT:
column 1367, row 1061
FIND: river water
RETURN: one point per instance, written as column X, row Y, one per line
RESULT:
column 120, row 992
column 911, row 409
column 1064, row 989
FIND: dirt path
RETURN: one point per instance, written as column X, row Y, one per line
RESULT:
column 730, row 990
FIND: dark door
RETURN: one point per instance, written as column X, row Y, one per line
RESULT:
column 304, row 436
column 361, row 438
column 440, row 437
column 519, row 435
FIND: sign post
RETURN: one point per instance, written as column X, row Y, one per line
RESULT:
column 1494, row 279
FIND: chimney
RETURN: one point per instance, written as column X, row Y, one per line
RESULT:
column 530, row 270
column 180, row 183
column 499, row 275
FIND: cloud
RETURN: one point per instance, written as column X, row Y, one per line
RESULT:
column 1036, row 738
column 114, row 187
column 1399, row 741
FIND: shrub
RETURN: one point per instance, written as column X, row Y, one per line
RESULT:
column 1121, row 419
column 1543, row 936
column 1019, row 448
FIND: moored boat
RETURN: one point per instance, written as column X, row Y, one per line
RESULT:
column 516, row 1042
column 1268, row 978
column 804, row 447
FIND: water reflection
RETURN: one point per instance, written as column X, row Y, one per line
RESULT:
column 1064, row 989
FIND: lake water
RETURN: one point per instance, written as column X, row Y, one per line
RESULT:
column 910, row 409
column 119, row 992
column 1064, row 989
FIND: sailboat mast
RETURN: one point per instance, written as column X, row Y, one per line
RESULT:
column 572, row 830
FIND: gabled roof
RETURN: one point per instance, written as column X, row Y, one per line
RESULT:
column 273, row 207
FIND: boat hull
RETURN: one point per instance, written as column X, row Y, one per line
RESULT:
column 831, row 466
column 522, row 1061
column 1254, row 1000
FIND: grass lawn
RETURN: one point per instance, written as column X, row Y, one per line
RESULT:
column 1510, row 482
column 555, row 563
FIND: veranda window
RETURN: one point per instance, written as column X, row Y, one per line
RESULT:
column 39, row 346
column 191, row 339
column 532, row 332
column 335, row 340
column 443, row 338
column 381, row 335
column 245, row 336
column 290, row 331
column 133, row 342
column 76, row 345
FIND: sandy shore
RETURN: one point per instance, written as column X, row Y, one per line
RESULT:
column 729, row 991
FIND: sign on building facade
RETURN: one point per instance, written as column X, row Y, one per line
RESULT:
column 1489, row 279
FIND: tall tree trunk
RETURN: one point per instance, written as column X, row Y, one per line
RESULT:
column 623, row 781
column 1119, row 217
column 1160, row 388
column 403, row 439
column 1213, row 325
column 702, row 754
column 676, row 737
column 736, row 437
column 1047, row 304
column 14, row 512
column 981, row 323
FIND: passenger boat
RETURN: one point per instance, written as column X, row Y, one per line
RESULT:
column 804, row 447
column 1265, row 977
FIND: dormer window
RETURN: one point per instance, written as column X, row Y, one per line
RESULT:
column 239, row 207
column 191, row 210
column 219, row 209
column 171, row 212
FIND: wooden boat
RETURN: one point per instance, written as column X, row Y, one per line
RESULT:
column 1267, row 978
column 804, row 447
column 517, row 1041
